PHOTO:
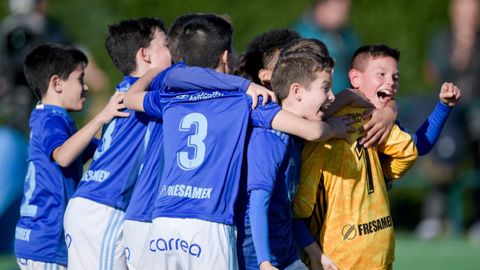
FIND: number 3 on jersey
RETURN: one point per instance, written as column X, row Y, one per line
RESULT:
column 195, row 141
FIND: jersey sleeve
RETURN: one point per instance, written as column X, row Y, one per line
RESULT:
column 263, row 115
column 265, row 154
column 400, row 151
column 182, row 77
column 55, row 133
column 152, row 104
column 427, row 135
column 258, row 213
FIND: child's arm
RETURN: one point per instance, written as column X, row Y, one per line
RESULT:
column 381, row 120
column 206, row 78
column 318, row 260
column 136, row 93
column 66, row 153
column 347, row 97
column 400, row 151
column 305, row 240
column 429, row 132
column 380, row 124
column 194, row 78
column 311, row 130
column 258, row 213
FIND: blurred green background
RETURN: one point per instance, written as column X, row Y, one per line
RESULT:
column 406, row 25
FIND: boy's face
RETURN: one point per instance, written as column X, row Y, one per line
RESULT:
column 316, row 96
column 74, row 90
column 379, row 80
column 158, row 49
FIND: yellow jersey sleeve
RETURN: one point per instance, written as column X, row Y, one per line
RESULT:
column 400, row 151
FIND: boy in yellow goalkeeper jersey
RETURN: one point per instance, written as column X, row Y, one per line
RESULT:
column 342, row 189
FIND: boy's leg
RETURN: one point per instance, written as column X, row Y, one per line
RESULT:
column 94, row 237
column 25, row 264
column 134, row 233
column 176, row 243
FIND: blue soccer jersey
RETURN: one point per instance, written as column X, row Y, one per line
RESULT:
column 111, row 176
column 39, row 231
column 179, row 77
column 143, row 196
column 204, row 137
column 274, row 161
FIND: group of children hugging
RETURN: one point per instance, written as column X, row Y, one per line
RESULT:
column 198, row 168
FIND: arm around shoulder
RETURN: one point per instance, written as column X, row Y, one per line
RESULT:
column 310, row 130
column 136, row 94
column 66, row 153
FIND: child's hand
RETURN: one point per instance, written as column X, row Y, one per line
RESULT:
column 327, row 263
column 318, row 260
column 449, row 94
column 112, row 109
column 254, row 90
column 359, row 100
column 266, row 265
column 378, row 127
column 342, row 127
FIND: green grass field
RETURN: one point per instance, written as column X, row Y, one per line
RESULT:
column 441, row 254
column 411, row 254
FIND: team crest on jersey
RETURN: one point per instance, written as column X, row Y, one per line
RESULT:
column 200, row 96
column 182, row 96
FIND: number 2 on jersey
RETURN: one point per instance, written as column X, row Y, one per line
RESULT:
column 195, row 141
column 27, row 209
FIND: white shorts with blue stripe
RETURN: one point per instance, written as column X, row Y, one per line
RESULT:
column 134, row 235
column 26, row 264
column 94, row 237
column 181, row 244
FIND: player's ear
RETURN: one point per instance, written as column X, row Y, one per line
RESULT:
column 144, row 54
column 224, row 62
column 55, row 83
column 265, row 75
column 354, row 76
column 296, row 91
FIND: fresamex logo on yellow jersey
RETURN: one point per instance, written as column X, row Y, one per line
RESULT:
column 350, row 231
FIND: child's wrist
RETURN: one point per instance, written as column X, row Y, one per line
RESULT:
column 446, row 103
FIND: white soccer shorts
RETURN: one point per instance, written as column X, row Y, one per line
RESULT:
column 189, row 244
column 134, row 235
column 26, row 264
column 94, row 237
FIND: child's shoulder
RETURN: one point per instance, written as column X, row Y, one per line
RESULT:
column 47, row 118
column 269, row 136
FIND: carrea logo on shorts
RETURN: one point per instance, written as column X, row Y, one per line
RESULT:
column 174, row 244
column 68, row 240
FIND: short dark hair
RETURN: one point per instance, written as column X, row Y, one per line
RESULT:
column 367, row 52
column 204, row 39
column 262, row 51
column 48, row 60
column 307, row 45
column 298, row 67
column 127, row 37
column 174, row 32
